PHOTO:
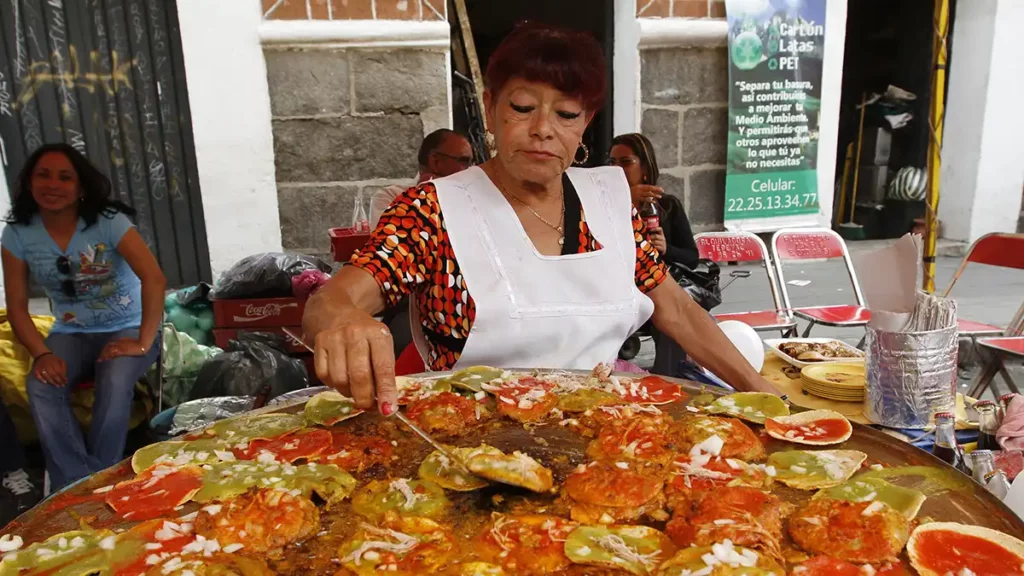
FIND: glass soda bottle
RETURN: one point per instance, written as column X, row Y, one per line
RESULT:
column 997, row 484
column 650, row 212
column 1004, row 405
column 982, row 463
column 988, row 422
column 945, row 448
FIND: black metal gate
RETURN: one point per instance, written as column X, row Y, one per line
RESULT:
column 107, row 77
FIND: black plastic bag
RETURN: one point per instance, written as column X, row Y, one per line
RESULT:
column 701, row 282
column 198, row 295
column 267, row 275
column 253, row 365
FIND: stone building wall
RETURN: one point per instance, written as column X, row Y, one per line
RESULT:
column 680, row 8
column 684, row 111
column 355, row 9
column 348, row 121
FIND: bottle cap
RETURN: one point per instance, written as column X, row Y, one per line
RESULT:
column 943, row 415
column 983, row 403
column 1006, row 397
column 977, row 453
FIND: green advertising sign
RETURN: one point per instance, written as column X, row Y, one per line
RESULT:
column 776, row 50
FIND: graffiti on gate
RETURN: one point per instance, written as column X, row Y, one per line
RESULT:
column 91, row 77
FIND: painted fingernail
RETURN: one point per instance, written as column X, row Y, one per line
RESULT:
column 386, row 409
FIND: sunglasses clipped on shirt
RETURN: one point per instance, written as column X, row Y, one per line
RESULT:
column 67, row 286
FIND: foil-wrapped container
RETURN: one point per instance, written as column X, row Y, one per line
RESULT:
column 200, row 413
column 910, row 376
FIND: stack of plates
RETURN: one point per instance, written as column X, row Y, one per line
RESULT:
column 840, row 382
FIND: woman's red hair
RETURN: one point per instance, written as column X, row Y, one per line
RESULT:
column 569, row 60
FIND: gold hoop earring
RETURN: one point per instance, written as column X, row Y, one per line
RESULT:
column 586, row 155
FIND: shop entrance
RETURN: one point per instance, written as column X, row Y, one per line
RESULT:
column 887, row 44
column 491, row 21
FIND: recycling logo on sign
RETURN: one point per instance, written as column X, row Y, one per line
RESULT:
column 747, row 50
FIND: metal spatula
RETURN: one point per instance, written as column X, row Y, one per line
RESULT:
column 300, row 339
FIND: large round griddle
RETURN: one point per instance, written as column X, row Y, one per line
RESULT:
column 560, row 449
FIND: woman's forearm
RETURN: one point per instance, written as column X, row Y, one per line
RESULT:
column 351, row 291
column 698, row 334
column 152, row 309
column 25, row 331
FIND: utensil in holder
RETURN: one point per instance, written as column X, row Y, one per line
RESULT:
column 910, row 376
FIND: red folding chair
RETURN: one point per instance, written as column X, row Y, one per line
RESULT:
column 995, row 351
column 721, row 247
column 1000, row 349
column 803, row 244
column 998, row 249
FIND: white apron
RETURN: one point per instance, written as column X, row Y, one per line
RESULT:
column 533, row 310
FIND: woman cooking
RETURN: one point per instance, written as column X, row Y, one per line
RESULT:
column 521, row 261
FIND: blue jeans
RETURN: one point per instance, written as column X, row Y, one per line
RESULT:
column 68, row 457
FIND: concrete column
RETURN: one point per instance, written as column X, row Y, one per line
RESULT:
column 982, row 157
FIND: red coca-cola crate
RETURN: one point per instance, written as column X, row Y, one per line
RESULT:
column 345, row 241
column 221, row 337
column 258, row 313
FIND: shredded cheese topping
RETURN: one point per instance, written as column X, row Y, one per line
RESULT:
column 622, row 552
column 411, row 498
column 392, row 541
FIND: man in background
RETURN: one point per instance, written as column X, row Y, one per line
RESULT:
column 442, row 153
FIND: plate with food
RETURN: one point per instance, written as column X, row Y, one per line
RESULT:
column 801, row 352
column 630, row 476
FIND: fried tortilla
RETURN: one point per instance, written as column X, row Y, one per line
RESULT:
column 610, row 492
column 182, row 453
column 156, row 492
column 806, row 470
column 861, row 532
column 228, row 479
column 517, row 469
column 814, row 427
column 405, row 546
column 750, row 406
column 636, row 549
column 722, row 559
column 330, row 407
column 259, row 522
column 245, row 428
column 530, row 544
column 745, row 516
column 980, row 551
column 401, row 496
column 906, row 501
column 737, row 439
column 439, row 469
column 646, row 438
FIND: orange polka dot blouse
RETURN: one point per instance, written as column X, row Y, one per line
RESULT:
column 410, row 254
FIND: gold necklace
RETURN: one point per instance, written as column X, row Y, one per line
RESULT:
column 559, row 228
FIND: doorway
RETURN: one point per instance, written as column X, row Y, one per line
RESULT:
column 492, row 21
column 108, row 78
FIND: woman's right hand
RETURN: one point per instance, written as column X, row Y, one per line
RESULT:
column 51, row 370
column 641, row 193
column 356, row 356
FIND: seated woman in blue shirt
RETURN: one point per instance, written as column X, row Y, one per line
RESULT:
column 106, row 290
